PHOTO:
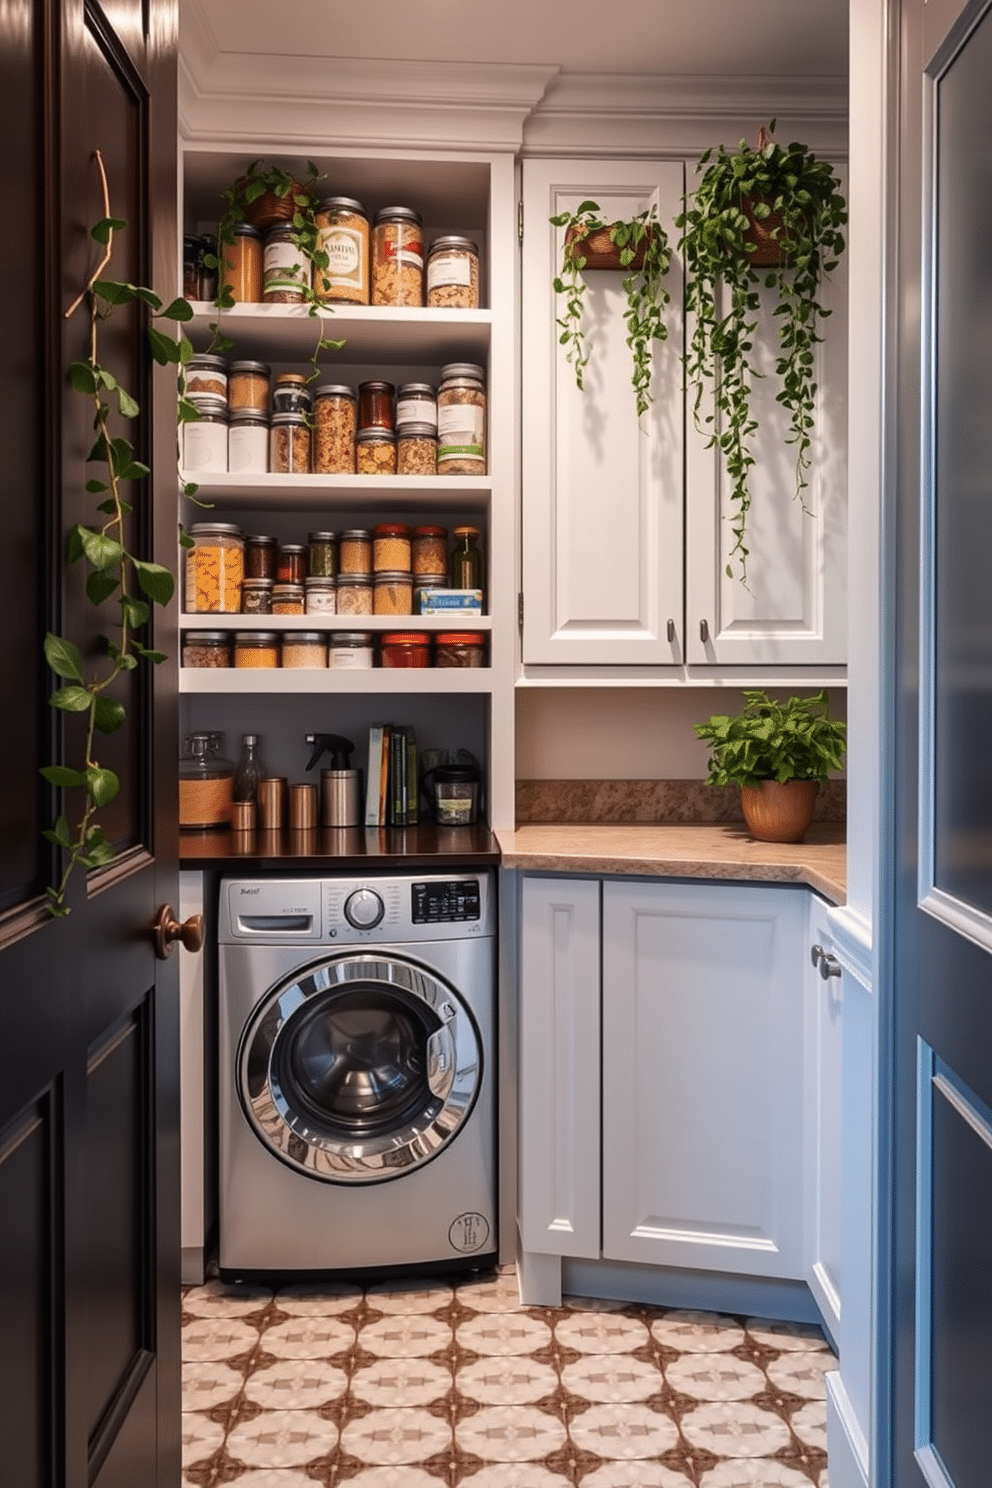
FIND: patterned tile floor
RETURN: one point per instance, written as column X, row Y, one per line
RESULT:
column 430, row 1383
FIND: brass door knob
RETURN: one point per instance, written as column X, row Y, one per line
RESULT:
column 168, row 930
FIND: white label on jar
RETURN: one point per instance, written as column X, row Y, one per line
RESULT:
column 465, row 420
column 410, row 253
column 286, row 266
column 321, row 602
column 416, row 411
column 350, row 658
column 448, row 268
column 343, row 246
column 453, row 811
column 205, row 446
column 248, row 448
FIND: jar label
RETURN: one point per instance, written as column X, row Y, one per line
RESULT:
column 350, row 658
column 205, row 447
column 410, row 252
column 416, row 411
column 463, row 422
column 448, row 268
column 343, row 246
column 248, row 449
column 286, row 266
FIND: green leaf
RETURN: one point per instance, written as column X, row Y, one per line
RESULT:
column 61, row 832
column 101, row 786
column 115, row 292
column 153, row 656
column 63, row 657
column 108, row 715
column 63, row 777
column 71, row 699
column 156, row 581
column 180, row 309
column 94, row 486
column 102, row 230
column 101, row 551
column 83, row 377
column 134, row 611
column 100, row 585
column 126, row 405
column 165, row 349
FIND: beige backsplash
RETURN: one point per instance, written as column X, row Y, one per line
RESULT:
column 648, row 802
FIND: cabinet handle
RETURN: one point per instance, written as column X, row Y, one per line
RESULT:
column 704, row 632
column 671, row 631
column 828, row 964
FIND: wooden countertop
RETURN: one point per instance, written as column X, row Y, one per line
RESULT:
column 331, row 849
column 713, row 852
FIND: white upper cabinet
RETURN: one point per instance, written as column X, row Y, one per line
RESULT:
column 602, row 490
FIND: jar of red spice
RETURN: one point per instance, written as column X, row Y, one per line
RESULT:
column 459, row 649
column 406, row 649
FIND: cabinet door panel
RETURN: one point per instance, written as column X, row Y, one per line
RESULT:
column 602, row 490
column 559, row 1067
column 702, row 1077
column 824, row 1076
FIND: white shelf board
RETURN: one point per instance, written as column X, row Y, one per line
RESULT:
column 233, row 620
column 430, row 493
column 382, row 680
column 394, row 334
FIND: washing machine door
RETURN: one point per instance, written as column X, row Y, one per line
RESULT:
column 360, row 1068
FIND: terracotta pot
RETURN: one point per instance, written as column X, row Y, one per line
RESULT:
column 600, row 252
column 779, row 813
column 770, row 252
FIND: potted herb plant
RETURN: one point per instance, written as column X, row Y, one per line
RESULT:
column 777, row 753
column 765, row 217
column 638, row 244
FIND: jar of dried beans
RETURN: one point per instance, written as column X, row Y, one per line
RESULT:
column 335, row 422
column 248, row 387
column 375, row 452
column 453, row 274
column 343, row 234
column 416, row 450
column 461, row 420
column 304, row 648
column 398, row 257
column 214, row 568
column 241, row 264
column 289, row 444
column 391, row 547
column 207, row 648
column 286, row 268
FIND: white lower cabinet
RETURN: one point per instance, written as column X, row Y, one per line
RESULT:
column 824, row 1118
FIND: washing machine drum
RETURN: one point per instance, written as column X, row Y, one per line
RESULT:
column 359, row 1069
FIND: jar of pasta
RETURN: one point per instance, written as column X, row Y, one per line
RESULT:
column 375, row 452
column 285, row 268
column 398, row 257
column 392, row 593
column 335, row 422
column 429, row 549
column 453, row 274
column 289, row 444
column 256, row 649
column 343, row 234
column 214, row 568
column 241, row 264
column 461, row 420
column 354, row 595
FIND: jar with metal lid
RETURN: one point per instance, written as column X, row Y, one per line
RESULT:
column 206, row 782
column 322, row 555
column 354, row 596
column 375, row 452
column 248, row 387
column 241, row 259
column 206, row 375
column 398, row 257
column 424, row 586
column 453, row 274
column 214, row 568
column 321, row 596
column 355, row 551
column 376, row 405
column 290, row 393
column 289, row 444
column 416, row 450
column 416, row 403
column 285, row 268
column 248, row 443
column 256, row 596
column 459, row 649
column 429, row 551
column 350, row 650
column 207, row 648
column 304, row 648
column 391, row 547
column 288, row 599
column 461, row 420
column 466, row 559
column 260, row 556
column 256, row 649
column 392, row 593
column 335, row 422
column 343, row 234
column 205, row 438
column 291, row 565
column 405, row 649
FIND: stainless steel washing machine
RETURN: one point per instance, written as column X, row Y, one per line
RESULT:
column 357, row 1093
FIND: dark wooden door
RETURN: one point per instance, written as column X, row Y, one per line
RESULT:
column 941, row 991
column 89, row 1224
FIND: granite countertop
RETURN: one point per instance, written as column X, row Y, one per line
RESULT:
column 720, row 851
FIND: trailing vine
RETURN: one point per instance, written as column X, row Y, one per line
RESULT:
column 113, row 570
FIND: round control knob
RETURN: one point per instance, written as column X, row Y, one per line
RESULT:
column 363, row 909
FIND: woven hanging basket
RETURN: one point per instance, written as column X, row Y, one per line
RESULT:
column 600, row 252
column 268, row 209
column 771, row 250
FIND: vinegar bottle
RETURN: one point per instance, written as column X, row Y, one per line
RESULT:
column 466, row 559
column 250, row 770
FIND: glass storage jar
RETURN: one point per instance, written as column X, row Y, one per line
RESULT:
column 260, row 556
column 376, row 405
column 320, row 596
column 256, row 596
column 416, row 450
column 355, row 551
column 248, row 387
column 405, row 649
column 290, row 393
column 350, row 650
column 285, row 268
column 206, row 279
column 461, row 420
column 416, row 403
column 206, row 782
column 375, row 452
column 214, row 568
column 354, row 594
column 304, row 649
column 466, row 559
column 248, row 443
column 205, row 375
column 397, row 257
column 207, row 648
column 453, row 274
column 291, row 565
column 429, row 548
column 392, row 593
column 288, row 599
column 192, row 248
column 391, row 547
column 241, row 264
column 205, row 438
column 335, row 423
column 423, row 586
column 322, row 555
column 459, row 649
column 256, row 650
column 343, row 234
column 289, row 444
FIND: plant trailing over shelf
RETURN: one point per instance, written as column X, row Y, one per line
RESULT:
column 113, row 569
column 769, row 740
column 638, row 244
column 266, row 195
column 765, row 217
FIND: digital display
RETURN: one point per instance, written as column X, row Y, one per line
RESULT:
column 445, row 900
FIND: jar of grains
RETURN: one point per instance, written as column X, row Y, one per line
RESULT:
column 205, row 375
column 397, row 257
column 416, row 403
column 290, row 393
column 285, row 268
column 248, row 387
column 320, row 596
column 453, row 274
column 304, row 648
column 354, row 594
column 256, row 597
column 335, row 421
column 429, row 549
column 289, row 444
column 376, row 405
column 291, row 565
column 391, row 547
column 459, row 649
column 214, row 568
column 416, row 450
column 241, row 264
column 206, row 782
column 322, row 555
column 248, row 443
column 260, row 556
column 355, row 551
column 392, row 593
column 350, row 650
column 375, row 452
column 207, row 648
column 405, row 649
column 256, row 649
column 343, row 234
column 205, row 438
column 461, row 420
column 288, row 599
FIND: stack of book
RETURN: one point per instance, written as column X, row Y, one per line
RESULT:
column 391, row 792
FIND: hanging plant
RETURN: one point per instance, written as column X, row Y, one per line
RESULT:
column 761, row 218
column 114, row 572
column 638, row 244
